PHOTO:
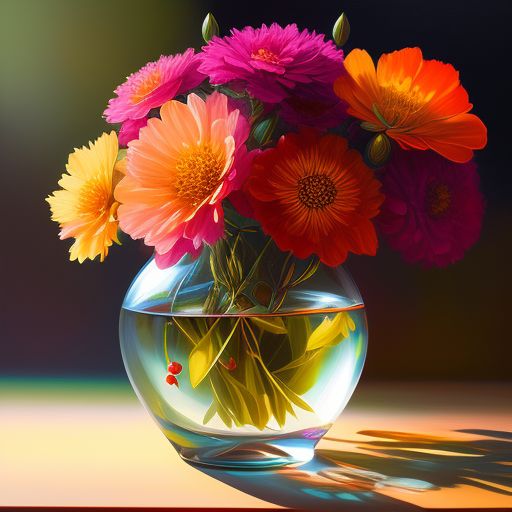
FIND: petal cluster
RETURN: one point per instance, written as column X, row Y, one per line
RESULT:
column 150, row 87
column 85, row 207
column 178, row 172
column 314, row 195
column 433, row 209
column 271, row 61
column 418, row 103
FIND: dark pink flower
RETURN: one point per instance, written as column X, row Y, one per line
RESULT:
column 313, row 105
column 433, row 208
column 153, row 85
column 271, row 61
column 130, row 130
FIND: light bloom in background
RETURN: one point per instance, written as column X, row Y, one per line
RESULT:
column 433, row 208
column 419, row 103
column 179, row 171
column 85, row 207
column 312, row 194
column 271, row 61
column 150, row 87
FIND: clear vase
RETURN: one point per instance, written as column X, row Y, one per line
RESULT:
column 246, row 355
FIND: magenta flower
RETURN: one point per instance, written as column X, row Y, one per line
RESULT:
column 433, row 208
column 130, row 130
column 271, row 61
column 150, row 87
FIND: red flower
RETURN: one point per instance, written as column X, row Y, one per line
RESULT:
column 312, row 194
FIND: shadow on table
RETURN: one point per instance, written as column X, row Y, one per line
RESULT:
column 353, row 476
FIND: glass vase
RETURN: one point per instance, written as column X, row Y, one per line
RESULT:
column 246, row 355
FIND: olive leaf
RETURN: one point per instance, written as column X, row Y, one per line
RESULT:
column 330, row 330
column 273, row 324
column 203, row 356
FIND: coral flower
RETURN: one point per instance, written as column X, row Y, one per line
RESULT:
column 312, row 194
column 179, row 171
column 271, row 61
column 85, row 207
column 433, row 209
column 150, row 87
column 419, row 103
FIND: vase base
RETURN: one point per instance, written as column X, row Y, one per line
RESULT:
column 250, row 455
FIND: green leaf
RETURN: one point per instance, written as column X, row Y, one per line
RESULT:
column 273, row 324
column 299, row 329
column 329, row 331
column 210, row 413
column 203, row 356
column 294, row 397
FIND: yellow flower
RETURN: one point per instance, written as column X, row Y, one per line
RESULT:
column 85, row 207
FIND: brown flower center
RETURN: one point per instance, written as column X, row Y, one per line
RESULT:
column 439, row 199
column 316, row 191
column 266, row 56
column 198, row 172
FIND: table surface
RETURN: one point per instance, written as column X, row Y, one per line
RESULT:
column 396, row 446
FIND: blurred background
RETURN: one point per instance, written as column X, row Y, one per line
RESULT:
column 59, row 63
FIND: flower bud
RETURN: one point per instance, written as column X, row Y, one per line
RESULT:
column 262, row 131
column 341, row 30
column 210, row 27
column 378, row 150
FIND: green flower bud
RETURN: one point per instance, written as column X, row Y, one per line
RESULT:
column 378, row 150
column 341, row 30
column 262, row 131
column 210, row 27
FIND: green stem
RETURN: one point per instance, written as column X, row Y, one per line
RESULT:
column 254, row 266
column 187, row 335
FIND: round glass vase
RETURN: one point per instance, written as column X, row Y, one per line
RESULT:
column 246, row 355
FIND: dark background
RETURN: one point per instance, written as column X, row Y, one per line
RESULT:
column 59, row 62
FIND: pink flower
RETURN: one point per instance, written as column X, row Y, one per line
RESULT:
column 433, row 208
column 313, row 105
column 130, row 130
column 271, row 61
column 150, row 87
column 179, row 171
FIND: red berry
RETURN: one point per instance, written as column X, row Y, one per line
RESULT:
column 171, row 379
column 175, row 368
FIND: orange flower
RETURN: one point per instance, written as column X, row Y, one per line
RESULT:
column 419, row 103
column 312, row 194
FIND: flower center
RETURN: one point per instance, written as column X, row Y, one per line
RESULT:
column 439, row 199
column 198, row 173
column 266, row 56
column 147, row 83
column 398, row 103
column 94, row 198
column 316, row 191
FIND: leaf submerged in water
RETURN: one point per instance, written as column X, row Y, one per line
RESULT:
column 329, row 331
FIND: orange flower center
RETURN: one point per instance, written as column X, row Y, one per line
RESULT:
column 95, row 198
column 397, row 103
column 198, row 173
column 266, row 56
column 439, row 199
column 148, row 83
column 316, row 191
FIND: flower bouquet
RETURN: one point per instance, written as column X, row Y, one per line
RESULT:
column 253, row 168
